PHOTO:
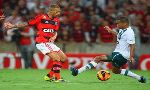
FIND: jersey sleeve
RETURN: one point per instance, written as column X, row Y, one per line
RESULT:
column 34, row 20
column 131, row 38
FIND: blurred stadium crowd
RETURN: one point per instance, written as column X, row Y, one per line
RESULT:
column 82, row 21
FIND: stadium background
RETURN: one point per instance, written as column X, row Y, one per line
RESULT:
column 81, row 35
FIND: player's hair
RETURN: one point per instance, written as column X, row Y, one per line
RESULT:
column 122, row 19
column 53, row 7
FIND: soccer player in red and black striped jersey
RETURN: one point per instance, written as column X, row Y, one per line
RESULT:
column 47, row 26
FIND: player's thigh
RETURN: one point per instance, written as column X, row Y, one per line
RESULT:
column 118, row 60
column 62, row 56
column 54, row 56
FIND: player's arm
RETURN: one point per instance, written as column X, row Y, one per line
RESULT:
column 52, row 39
column 131, row 42
column 132, row 51
column 2, row 17
column 110, row 30
column 55, row 33
column 31, row 22
column 27, row 34
column 9, row 25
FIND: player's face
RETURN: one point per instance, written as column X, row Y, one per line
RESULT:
column 57, row 12
column 121, row 25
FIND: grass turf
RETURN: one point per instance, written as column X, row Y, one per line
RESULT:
column 33, row 80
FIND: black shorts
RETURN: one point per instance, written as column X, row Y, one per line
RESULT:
column 117, row 59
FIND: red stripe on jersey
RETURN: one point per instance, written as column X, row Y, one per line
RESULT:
column 46, row 27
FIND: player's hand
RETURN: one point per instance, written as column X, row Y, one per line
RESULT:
column 100, row 58
column 107, row 28
column 132, row 60
column 52, row 39
column 8, row 25
column 97, row 58
column 2, row 17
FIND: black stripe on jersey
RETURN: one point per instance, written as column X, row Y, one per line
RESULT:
column 120, row 33
column 48, row 22
column 56, row 65
column 56, row 71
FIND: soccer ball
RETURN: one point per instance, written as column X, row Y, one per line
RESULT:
column 103, row 75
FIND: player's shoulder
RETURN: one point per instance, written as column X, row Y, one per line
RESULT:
column 56, row 19
column 130, row 30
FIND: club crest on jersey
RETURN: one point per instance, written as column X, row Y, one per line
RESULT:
column 46, row 22
column 48, row 30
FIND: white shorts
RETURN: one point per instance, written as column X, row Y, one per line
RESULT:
column 47, row 47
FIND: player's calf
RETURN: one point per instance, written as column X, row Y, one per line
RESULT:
column 133, row 75
column 90, row 65
column 56, row 69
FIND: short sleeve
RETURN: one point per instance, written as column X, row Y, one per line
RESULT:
column 35, row 20
column 131, row 38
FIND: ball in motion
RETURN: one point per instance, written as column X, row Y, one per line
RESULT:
column 103, row 75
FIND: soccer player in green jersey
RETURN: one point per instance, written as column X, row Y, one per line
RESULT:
column 123, row 52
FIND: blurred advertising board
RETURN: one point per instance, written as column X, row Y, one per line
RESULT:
column 13, row 61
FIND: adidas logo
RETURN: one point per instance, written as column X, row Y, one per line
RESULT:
column 46, row 22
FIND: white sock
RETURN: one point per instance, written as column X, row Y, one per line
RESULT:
column 92, row 64
column 130, row 74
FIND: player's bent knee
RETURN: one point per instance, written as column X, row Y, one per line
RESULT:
column 55, row 58
column 64, row 58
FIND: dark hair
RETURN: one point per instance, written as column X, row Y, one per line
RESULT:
column 122, row 19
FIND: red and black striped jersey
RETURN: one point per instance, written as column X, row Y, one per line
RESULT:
column 46, row 27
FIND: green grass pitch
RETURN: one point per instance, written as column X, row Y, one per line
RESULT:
column 33, row 80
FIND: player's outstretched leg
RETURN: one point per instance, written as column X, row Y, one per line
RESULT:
column 125, row 72
column 128, row 73
column 90, row 65
column 75, row 71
